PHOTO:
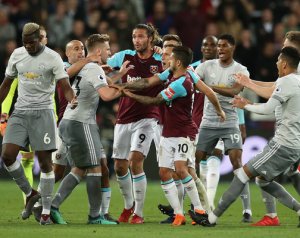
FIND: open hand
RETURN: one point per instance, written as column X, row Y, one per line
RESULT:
column 240, row 102
column 242, row 79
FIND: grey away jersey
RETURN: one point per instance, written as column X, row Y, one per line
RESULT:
column 87, row 82
column 278, row 110
column 37, row 77
column 288, row 93
column 214, row 74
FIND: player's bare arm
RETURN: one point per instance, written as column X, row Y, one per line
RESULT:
column 108, row 94
column 145, row 99
column 74, row 69
column 123, row 70
column 228, row 92
column 4, row 88
column 262, row 89
column 209, row 93
column 68, row 92
column 139, row 84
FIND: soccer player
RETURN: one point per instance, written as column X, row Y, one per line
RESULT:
column 179, row 130
column 265, row 89
column 27, row 159
column 134, row 131
column 218, row 73
column 80, row 132
column 38, row 69
column 76, row 61
column 284, row 148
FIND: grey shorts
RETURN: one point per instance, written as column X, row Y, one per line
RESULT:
column 82, row 142
column 34, row 127
column 273, row 160
column 209, row 137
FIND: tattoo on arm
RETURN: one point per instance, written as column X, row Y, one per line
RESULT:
column 148, row 100
column 137, row 85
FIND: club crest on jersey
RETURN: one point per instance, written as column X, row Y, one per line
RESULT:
column 169, row 92
column 153, row 69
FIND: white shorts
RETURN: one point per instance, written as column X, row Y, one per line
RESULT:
column 136, row 136
column 157, row 137
column 173, row 149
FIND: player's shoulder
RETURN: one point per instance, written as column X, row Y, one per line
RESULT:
column 20, row 51
column 51, row 53
column 157, row 56
column 239, row 65
column 126, row 52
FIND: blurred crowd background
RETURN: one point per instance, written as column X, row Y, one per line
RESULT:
column 258, row 26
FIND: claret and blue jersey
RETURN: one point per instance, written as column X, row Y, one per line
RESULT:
column 129, row 109
column 179, row 98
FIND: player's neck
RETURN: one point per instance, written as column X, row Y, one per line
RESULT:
column 227, row 62
column 179, row 72
column 145, row 54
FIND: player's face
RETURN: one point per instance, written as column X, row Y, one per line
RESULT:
column 140, row 39
column 105, row 53
column 172, row 61
column 31, row 43
column 225, row 50
column 171, row 43
column 209, row 48
column 280, row 66
column 44, row 39
column 166, row 57
column 75, row 52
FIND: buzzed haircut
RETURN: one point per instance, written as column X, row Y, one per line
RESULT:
column 95, row 39
column 291, row 56
column 294, row 37
column 31, row 28
column 172, row 37
column 227, row 37
column 184, row 54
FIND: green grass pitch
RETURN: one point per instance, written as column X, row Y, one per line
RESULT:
column 76, row 206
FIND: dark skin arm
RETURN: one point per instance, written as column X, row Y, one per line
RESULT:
column 228, row 92
column 4, row 88
column 68, row 92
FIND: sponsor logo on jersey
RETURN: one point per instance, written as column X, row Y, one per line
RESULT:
column 153, row 69
column 31, row 75
column 132, row 79
column 169, row 92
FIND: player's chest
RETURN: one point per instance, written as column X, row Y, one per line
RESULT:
column 220, row 77
column 33, row 69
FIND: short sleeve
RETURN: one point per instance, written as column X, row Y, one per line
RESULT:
column 282, row 91
column 174, row 90
column 58, row 70
column 200, row 70
column 11, row 70
column 97, row 77
column 164, row 75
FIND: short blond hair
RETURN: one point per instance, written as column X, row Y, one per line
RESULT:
column 95, row 39
column 30, row 28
